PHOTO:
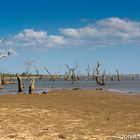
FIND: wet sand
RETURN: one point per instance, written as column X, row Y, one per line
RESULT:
column 70, row 115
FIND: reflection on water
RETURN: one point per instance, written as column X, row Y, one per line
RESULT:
column 43, row 85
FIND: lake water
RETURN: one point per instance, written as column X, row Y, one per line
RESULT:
column 123, row 86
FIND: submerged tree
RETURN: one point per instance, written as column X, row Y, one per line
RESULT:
column 111, row 77
column 97, row 78
column 93, row 74
column 52, row 78
column 88, row 71
column 28, row 66
column 67, row 74
column 1, row 86
column 103, row 78
column 20, row 85
column 71, row 75
column 97, row 73
column 118, row 75
column 37, row 71
column 32, row 87
column 3, row 79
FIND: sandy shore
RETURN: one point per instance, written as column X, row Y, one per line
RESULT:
column 71, row 115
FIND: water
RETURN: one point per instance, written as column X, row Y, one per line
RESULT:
column 124, row 86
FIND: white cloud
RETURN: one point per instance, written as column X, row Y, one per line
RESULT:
column 70, row 32
column 110, row 31
column 57, row 40
column 105, row 32
column 38, row 39
column 31, row 34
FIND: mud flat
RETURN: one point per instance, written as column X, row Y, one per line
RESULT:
column 68, row 114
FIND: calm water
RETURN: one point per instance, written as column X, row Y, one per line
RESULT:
column 44, row 85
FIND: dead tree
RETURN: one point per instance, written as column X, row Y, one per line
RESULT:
column 66, row 77
column 68, row 74
column 118, row 75
column 37, row 71
column 1, row 86
column 93, row 74
column 97, row 74
column 57, row 76
column 32, row 87
column 103, row 78
column 97, row 78
column 71, row 75
column 111, row 77
column 20, row 85
column 3, row 79
column 88, row 71
column 28, row 65
column 77, row 76
column 52, row 77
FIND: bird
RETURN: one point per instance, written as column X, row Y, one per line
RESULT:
column 6, row 54
column 3, row 41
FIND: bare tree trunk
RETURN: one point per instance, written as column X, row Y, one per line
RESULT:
column 118, row 75
column 103, row 78
column 97, row 80
column 52, row 77
column 102, row 81
column 111, row 77
column 2, row 79
column 1, row 86
column 88, row 71
column 20, row 86
column 32, row 87
column 73, row 76
column 97, row 74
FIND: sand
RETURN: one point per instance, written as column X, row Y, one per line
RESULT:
column 70, row 115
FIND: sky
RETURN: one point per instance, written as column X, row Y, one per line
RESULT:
column 53, row 33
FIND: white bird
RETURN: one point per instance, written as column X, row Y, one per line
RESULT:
column 3, row 41
column 6, row 54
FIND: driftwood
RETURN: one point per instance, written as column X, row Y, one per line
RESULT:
column 20, row 86
column 32, row 87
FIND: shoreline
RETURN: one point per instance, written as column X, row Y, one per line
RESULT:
column 69, row 114
column 46, row 90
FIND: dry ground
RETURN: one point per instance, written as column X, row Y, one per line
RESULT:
column 70, row 115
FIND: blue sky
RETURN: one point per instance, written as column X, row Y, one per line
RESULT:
column 59, row 32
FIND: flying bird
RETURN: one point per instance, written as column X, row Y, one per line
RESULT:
column 3, row 41
column 6, row 54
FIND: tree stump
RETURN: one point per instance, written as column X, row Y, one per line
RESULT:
column 32, row 87
column 3, row 79
column 1, row 86
column 20, row 86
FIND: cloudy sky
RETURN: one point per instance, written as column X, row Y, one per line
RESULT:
column 58, row 32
